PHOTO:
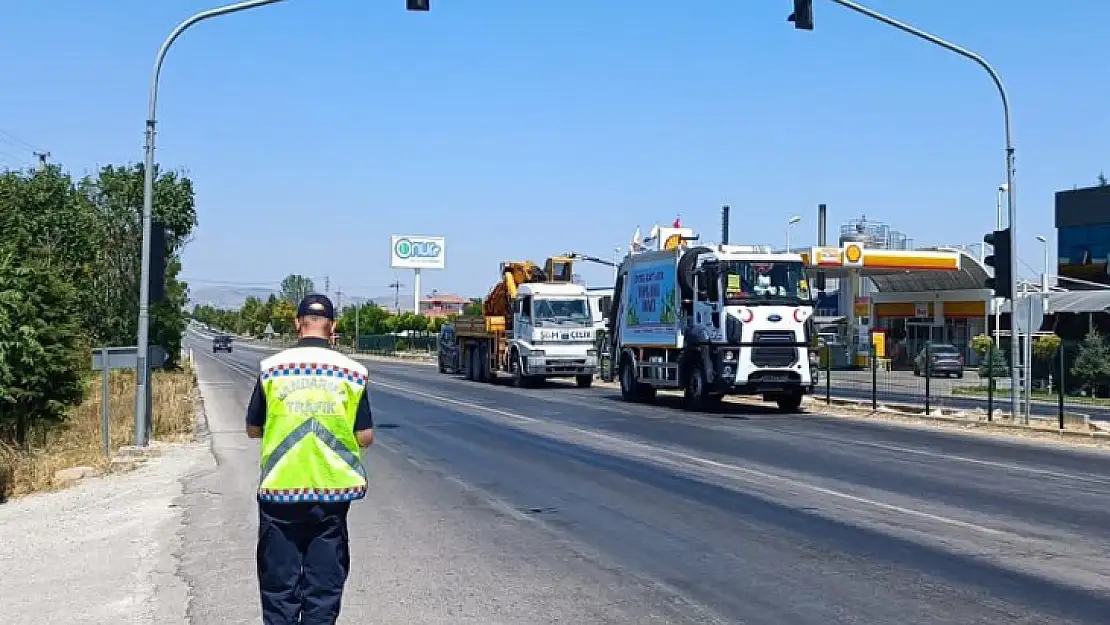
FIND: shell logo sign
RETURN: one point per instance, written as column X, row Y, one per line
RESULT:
column 673, row 241
column 853, row 255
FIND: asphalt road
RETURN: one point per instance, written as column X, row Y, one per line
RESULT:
column 496, row 505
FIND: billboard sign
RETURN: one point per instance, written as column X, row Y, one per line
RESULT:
column 416, row 252
column 650, row 305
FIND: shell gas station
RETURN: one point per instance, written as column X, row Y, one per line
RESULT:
column 898, row 300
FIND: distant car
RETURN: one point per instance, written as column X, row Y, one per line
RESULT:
column 448, row 350
column 946, row 361
column 221, row 343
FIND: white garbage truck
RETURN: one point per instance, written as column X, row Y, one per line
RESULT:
column 713, row 320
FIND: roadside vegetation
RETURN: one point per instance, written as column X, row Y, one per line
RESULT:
column 69, row 282
column 277, row 312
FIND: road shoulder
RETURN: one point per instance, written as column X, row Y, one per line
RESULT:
column 101, row 552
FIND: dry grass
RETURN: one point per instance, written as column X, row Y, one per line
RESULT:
column 78, row 443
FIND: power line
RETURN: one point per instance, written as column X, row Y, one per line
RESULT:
column 8, row 137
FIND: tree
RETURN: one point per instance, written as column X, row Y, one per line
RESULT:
column 981, row 343
column 474, row 307
column 44, row 355
column 1044, row 347
column 116, row 196
column 282, row 317
column 1101, row 180
column 994, row 365
column 250, row 317
column 295, row 288
column 1092, row 364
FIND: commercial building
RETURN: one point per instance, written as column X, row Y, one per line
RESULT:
column 436, row 305
column 1083, row 236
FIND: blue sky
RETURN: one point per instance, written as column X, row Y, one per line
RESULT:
column 314, row 129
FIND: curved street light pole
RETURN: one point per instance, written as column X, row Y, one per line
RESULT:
column 142, row 372
column 1011, row 203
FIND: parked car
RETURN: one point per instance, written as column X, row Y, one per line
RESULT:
column 946, row 361
column 221, row 343
column 448, row 350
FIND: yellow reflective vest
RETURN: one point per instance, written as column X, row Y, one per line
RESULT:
column 309, row 451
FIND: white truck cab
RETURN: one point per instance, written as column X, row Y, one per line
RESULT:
column 553, row 332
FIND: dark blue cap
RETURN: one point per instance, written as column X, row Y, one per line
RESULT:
column 316, row 305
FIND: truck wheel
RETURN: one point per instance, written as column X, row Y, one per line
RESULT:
column 519, row 379
column 790, row 403
column 631, row 390
column 696, row 395
column 584, row 381
column 485, row 373
column 472, row 364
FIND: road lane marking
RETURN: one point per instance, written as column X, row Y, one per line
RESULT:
column 690, row 458
column 1076, row 477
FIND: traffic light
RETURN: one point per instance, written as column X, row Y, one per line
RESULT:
column 802, row 15
column 417, row 5
column 1002, row 262
column 158, row 257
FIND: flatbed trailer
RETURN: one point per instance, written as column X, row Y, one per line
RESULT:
column 482, row 346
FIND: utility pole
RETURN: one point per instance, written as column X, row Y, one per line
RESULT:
column 327, row 285
column 396, row 286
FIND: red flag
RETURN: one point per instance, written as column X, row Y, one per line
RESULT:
column 677, row 223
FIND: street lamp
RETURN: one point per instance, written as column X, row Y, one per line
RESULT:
column 793, row 220
column 1044, row 276
column 616, row 261
column 803, row 18
column 142, row 370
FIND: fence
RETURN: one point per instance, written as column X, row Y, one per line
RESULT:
column 1062, row 395
column 388, row 344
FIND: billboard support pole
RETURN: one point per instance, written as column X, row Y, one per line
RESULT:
column 416, row 290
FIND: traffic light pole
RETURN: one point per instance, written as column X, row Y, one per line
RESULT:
column 1011, row 203
column 142, row 369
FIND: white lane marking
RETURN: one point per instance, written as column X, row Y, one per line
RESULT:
column 1091, row 479
column 654, row 450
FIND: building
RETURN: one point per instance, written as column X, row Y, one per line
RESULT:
column 1083, row 236
column 436, row 305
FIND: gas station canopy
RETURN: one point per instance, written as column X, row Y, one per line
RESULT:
column 900, row 271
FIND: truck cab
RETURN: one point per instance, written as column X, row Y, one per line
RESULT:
column 552, row 331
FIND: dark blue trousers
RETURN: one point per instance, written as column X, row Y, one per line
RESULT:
column 303, row 561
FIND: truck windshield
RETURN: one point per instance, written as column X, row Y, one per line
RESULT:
column 562, row 310
column 758, row 282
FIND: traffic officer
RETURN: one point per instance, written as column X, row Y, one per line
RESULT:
column 311, row 408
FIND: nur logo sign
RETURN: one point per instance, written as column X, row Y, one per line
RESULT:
column 416, row 252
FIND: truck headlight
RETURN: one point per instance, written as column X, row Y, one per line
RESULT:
column 536, row 353
column 591, row 352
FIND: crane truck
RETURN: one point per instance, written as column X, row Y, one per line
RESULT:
column 535, row 324
column 712, row 320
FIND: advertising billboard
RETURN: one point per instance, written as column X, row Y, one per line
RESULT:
column 650, row 305
column 416, row 252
